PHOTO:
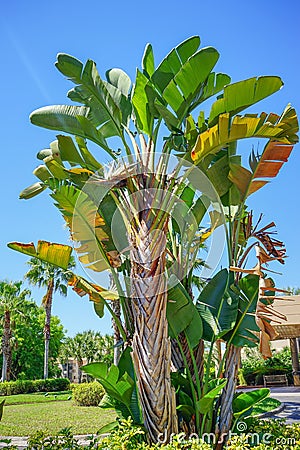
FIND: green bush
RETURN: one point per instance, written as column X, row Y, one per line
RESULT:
column 254, row 367
column 88, row 394
column 29, row 386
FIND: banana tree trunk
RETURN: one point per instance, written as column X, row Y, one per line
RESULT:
column 151, row 344
column 6, row 349
column 117, row 335
column 116, row 307
column 47, row 327
column 230, row 373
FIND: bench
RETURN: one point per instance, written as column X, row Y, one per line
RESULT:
column 275, row 379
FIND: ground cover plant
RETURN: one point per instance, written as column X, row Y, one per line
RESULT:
column 269, row 434
column 176, row 179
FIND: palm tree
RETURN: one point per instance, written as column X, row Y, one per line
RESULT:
column 88, row 346
column 55, row 279
column 11, row 303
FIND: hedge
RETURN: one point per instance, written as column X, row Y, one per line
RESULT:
column 29, row 386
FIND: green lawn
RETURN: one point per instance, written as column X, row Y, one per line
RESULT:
column 37, row 397
column 21, row 418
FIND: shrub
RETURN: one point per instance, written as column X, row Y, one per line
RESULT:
column 127, row 436
column 254, row 366
column 28, row 386
column 88, row 394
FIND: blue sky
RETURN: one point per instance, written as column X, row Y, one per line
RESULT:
column 254, row 38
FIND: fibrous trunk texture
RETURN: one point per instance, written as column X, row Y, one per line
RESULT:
column 198, row 353
column 47, row 327
column 151, row 344
column 116, row 307
column 230, row 373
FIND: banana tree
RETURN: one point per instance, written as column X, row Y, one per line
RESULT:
column 143, row 216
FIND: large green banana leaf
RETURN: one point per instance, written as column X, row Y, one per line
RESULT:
column 108, row 100
column 217, row 306
column 206, row 402
column 181, row 82
column 182, row 314
column 120, row 385
column 116, row 386
column 106, row 104
column 243, row 333
column 244, row 401
column 125, row 365
column 239, row 96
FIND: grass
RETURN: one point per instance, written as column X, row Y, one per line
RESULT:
column 266, row 405
column 25, row 414
column 37, row 397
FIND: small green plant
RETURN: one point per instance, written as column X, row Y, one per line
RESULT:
column 8, row 446
column 88, row 394
column 63, row 440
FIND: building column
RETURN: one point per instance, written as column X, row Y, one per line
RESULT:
column 295, row 361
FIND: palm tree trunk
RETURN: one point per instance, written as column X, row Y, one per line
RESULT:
column 6, row 350
column 79, row 371
column 151, row 344
column 230, row 373
column 47, row 327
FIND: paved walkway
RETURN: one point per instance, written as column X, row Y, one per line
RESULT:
column 290, row 397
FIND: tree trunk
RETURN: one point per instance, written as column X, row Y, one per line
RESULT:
column 6, row 350
column 151, row 344
column 79, row 371
column 116, row 307
column 115, row 304
column 47, row 327
column 295, row 361
column 230, row 373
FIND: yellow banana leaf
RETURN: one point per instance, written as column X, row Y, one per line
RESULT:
column 56, row 254
column 87, row 228
column 282, row 129
column 97, row 294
